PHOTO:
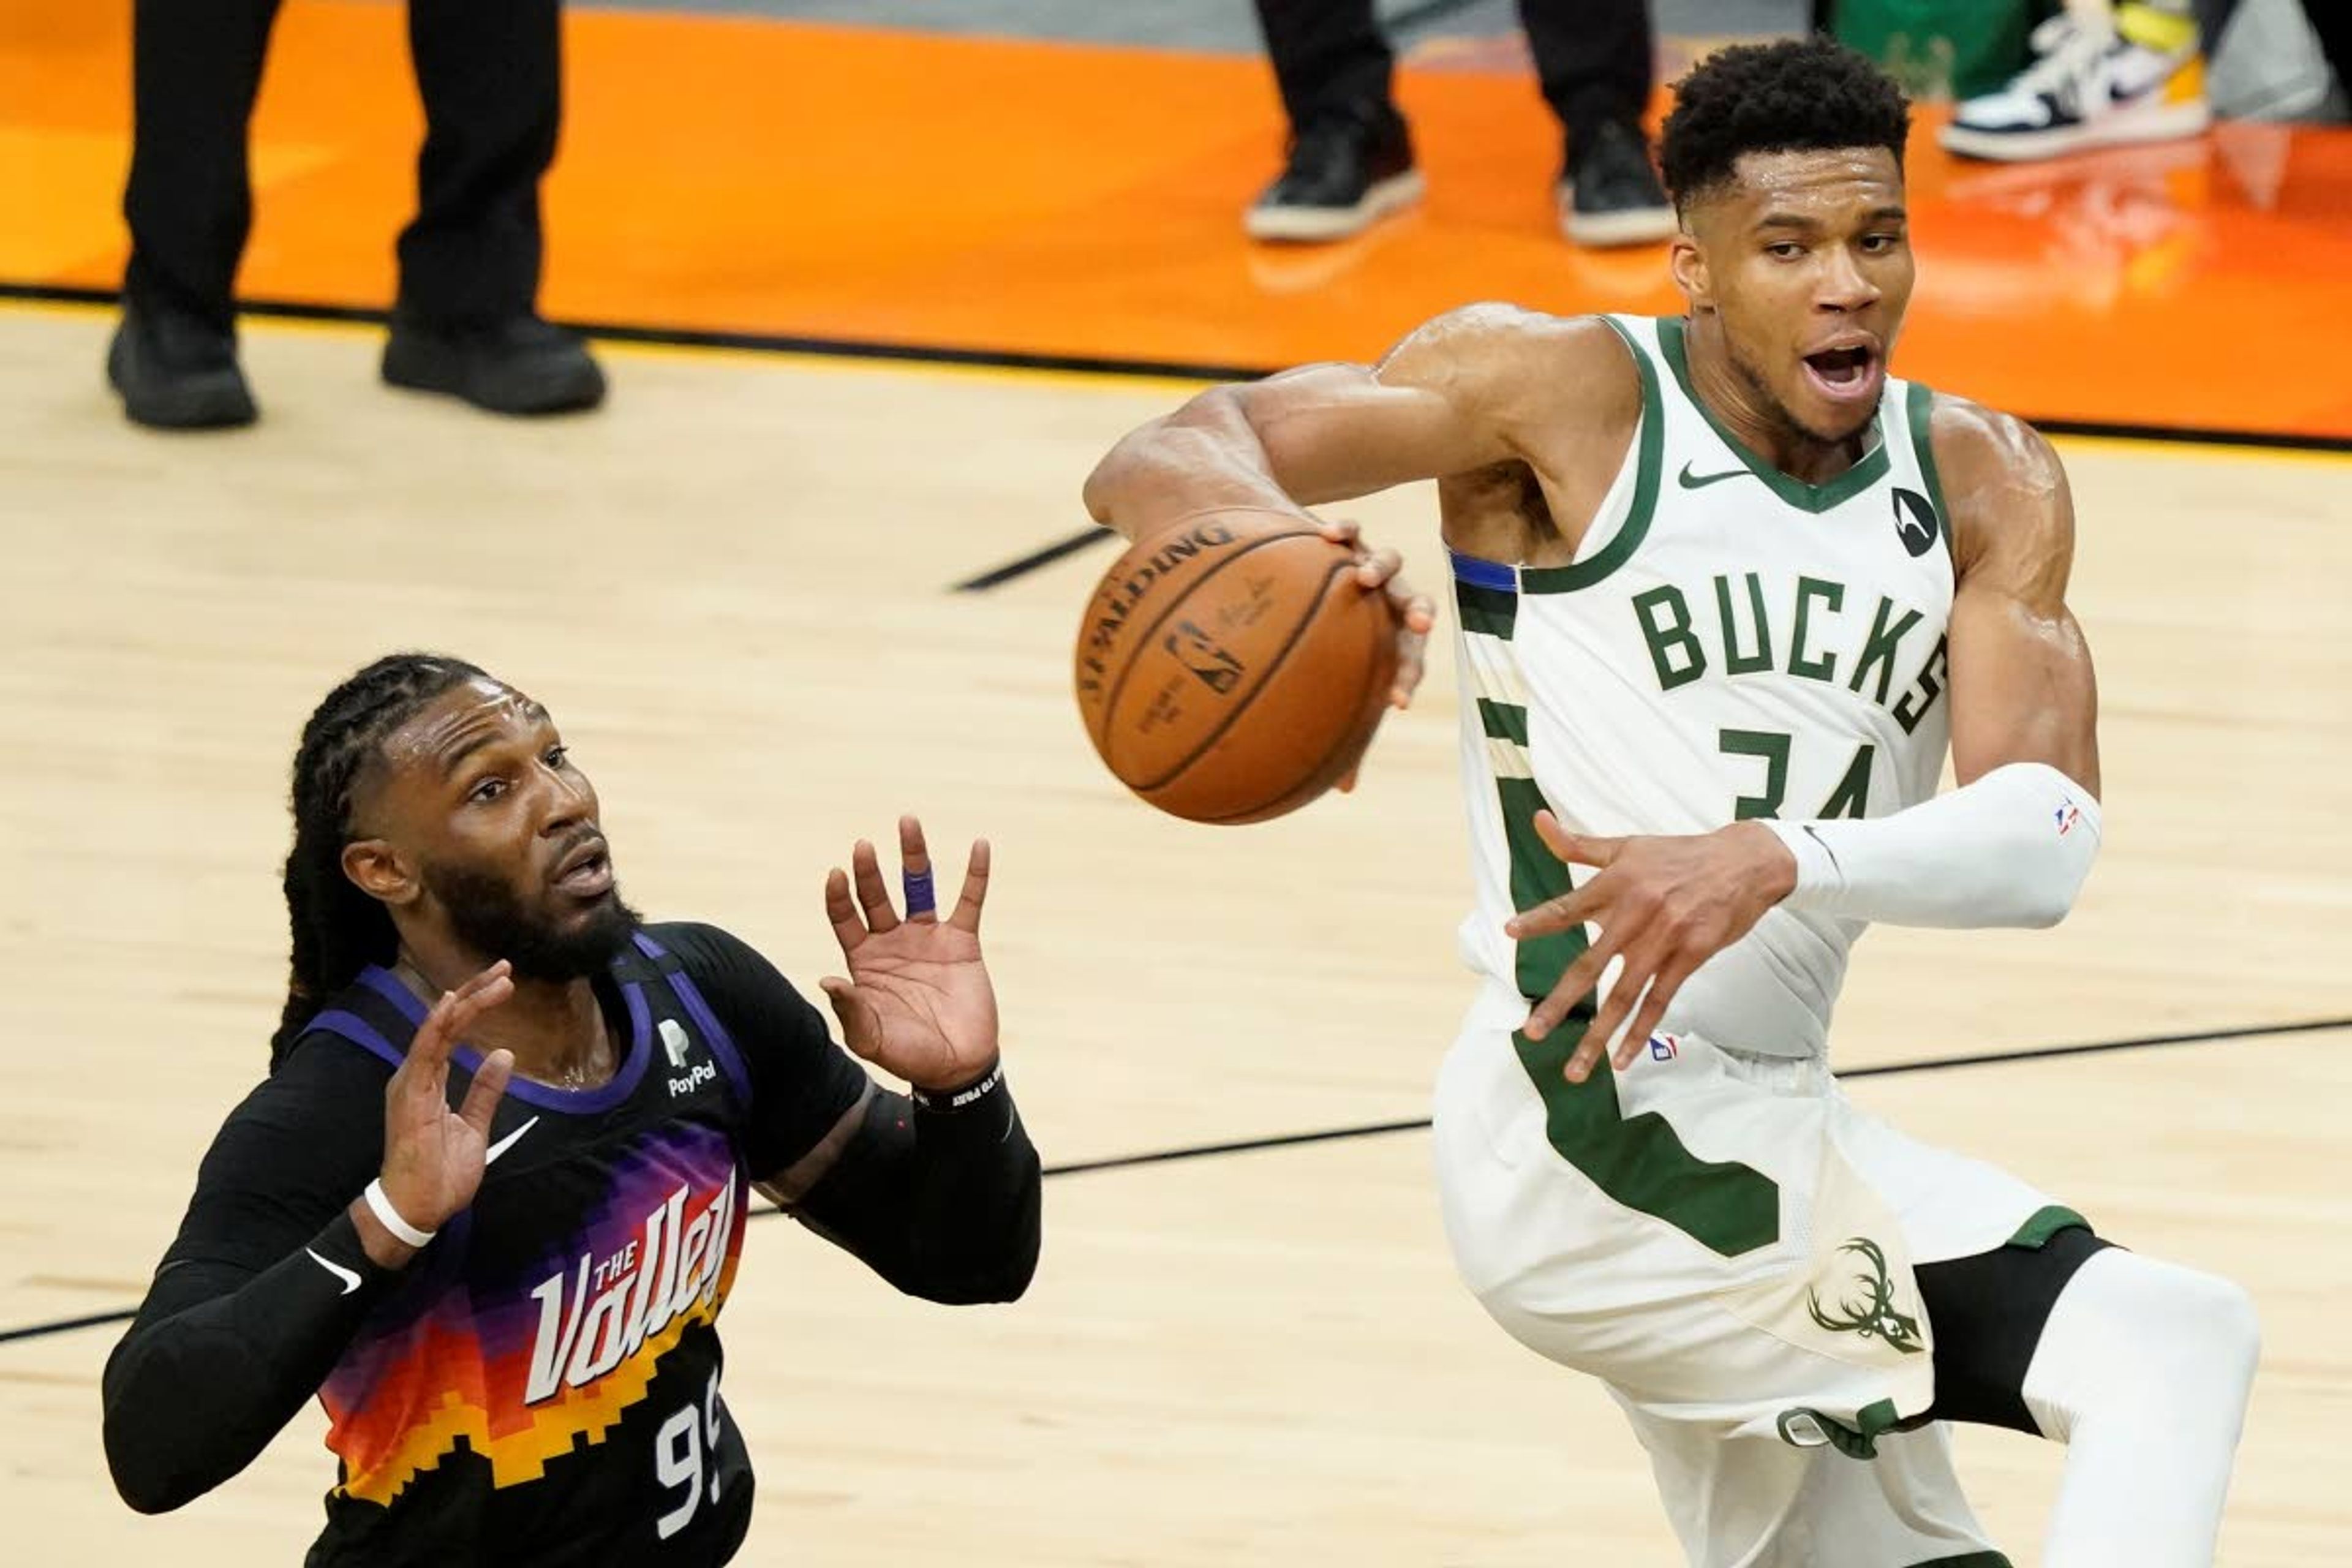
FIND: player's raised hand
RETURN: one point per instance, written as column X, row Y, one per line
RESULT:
column 433, row 1156
column 1664, row 905
column 1414, row 613
column 918, row 1002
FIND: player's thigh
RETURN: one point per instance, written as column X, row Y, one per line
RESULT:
column 1688, row 1230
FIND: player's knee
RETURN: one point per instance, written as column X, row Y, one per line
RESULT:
column 2224, row 1327
column 2143, row 1341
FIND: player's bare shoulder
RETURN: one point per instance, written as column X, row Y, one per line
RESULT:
column 1562, row 393
column 2011, row 511
column 1529, row 369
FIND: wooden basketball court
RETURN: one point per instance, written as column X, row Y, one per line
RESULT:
column 733, row 587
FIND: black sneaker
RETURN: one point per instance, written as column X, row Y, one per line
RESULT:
column 1610, row 195
column 521, row 365
column 177, row 373
column 1341, row 178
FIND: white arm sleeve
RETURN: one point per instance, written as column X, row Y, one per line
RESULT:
column 2011, row 849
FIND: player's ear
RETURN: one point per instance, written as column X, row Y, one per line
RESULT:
column 381, row 871
column 1688, row 262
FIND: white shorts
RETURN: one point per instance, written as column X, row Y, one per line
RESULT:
column 1727, row 1243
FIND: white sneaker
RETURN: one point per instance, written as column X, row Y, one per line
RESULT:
column 2141, row 81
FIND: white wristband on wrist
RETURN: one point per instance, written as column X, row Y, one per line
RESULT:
column 381, row 1206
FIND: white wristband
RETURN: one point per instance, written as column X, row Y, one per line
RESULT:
column 381, row 1206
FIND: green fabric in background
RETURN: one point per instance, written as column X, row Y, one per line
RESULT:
column 1942, row 49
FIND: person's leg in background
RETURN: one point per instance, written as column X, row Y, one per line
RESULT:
column 1351, row 158
column 189, row 202
column 466, row 321
column 2105, row 74
column 2331, row 20
column 1594, row 59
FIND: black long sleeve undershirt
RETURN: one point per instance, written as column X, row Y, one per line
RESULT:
column 943, row 1204
column 220, row 1359
column 250, row 1310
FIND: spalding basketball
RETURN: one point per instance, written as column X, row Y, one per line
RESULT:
column 1231, row 668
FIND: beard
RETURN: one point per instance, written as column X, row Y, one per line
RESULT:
column 487, row 916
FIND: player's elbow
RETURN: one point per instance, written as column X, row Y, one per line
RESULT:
column 1197, row 437
column 144, row 1474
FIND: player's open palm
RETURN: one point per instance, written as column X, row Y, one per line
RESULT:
column 433, row 1156
column 1664, row 905
column 918, row 1002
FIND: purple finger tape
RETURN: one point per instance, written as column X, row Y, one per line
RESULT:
column 921, row 900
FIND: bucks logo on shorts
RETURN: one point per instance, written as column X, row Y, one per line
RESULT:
column 1871, row 1313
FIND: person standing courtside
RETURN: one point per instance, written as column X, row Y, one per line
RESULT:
column 1351, row 160
column 466, row 322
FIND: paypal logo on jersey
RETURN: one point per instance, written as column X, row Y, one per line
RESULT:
column 674, row 1046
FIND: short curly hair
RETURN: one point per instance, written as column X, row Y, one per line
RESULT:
column 1794, row 95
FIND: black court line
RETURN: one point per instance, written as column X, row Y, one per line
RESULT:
column 1035, row 559
column 1089, row 364
column 63, row 1324
column 1376, row 1129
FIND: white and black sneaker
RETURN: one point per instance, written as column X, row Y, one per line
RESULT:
column 1610, row 195
column 2142, row 80
column 1342, row 176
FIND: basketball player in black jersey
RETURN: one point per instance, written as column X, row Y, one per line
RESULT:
column 487, row 1203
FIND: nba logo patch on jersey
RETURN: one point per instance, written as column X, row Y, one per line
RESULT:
column 1665, row 1048
column 2067, row 815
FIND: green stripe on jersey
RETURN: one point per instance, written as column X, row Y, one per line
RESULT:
column 1537, row 875
column 2045, row 1222
column 1922, row 413
column 1640, row 1160
column 1504, row 721
column 1489, row 611
column 1650, row 461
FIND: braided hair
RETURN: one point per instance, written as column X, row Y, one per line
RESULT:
column 338, row 929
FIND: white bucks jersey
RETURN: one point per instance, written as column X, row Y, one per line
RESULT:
column 1728, row 643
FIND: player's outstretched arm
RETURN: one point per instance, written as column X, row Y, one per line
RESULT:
column 1463, row 392
column 1438, row 403
column 938, row 1190
column 277, row 1264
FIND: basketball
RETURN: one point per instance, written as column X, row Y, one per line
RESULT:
column 1230, row 669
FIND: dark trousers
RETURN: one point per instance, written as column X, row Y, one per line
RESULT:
column 1592, row 58
column 491, row 74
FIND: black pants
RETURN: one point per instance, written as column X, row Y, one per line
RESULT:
column 490, row 75
column 1591, row 55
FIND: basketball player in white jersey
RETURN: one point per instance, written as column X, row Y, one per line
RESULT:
column 1726, row 592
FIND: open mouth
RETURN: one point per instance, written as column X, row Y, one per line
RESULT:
column 587, row 876
column 1843, row 373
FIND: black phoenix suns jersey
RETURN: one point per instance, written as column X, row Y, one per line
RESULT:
column 544, row 1385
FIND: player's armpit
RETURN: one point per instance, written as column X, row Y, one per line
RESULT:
column 788, row 1187
column 2022, row 688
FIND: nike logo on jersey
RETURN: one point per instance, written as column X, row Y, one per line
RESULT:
column 349, row 1277
column 506, row 1143
column 1692, row 481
